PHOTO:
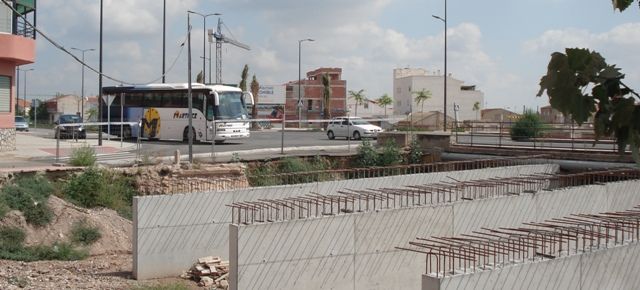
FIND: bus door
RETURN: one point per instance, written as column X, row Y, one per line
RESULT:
column 209, row 106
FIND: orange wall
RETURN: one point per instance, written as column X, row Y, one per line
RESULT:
column 7, row 119
column 17, row 49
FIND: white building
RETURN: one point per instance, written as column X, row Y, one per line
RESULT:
column 407, row 81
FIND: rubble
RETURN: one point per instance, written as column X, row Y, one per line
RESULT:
column 209, row 271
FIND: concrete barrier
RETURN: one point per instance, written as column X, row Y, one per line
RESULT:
column 171, row 231
column 357, row 251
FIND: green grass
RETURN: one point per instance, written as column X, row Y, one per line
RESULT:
column 101, row 188
column 172, row 286
column 83, row 156
column 29, row 195
column 12, row 248
column 83, row 233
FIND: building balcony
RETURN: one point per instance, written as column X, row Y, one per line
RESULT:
column 17, row 49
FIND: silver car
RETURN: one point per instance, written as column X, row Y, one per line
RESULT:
column 21, row 124
column 352, row 127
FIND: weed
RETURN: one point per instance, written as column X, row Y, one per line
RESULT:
column 19, row 281
column 390, row 154
column 415, row 152
column 367, row 155
column 172, row 286
column 83, row 156
column 235, row 157
column 57, row 251
column 4, row 208
column 11, row 238
column 101, row 188
column 29, row 195
column 84, row 234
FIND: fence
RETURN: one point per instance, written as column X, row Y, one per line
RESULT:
column 356, row 173
column 547, row 135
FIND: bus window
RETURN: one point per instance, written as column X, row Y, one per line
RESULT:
column 209, row 112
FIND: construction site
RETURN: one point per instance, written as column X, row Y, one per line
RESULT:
column 501, row 222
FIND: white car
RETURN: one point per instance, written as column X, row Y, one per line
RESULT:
column 352, row 127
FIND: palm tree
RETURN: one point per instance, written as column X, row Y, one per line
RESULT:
column 199, row 78
column 255, row 89
column 421, row 97
column 243, row 78
column 476, row 108
column 384, row 101
column 358, row 97
column 326, row 96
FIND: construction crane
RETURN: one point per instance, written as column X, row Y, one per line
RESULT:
column 220, row 39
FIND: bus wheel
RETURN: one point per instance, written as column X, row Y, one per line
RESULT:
column 185, row 135
column 127, row 133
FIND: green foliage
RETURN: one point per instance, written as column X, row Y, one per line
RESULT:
column 528, row 126
column 20, row 281
column 243, row 78
column 384, row 101
column 29, row 195
column 358, row 97
column 275, row 173
column 579, row 82
column 11, row 238
column 415, row 152
column 367, row 155
column 235, row 157
column 421, row 97
column 326, row 95
column 4, row 208
column 84, row 234
column 255, row 91
column 83, row 156
column 622, row 4
column 12, row 248
column 391, row 154
column 101, row 188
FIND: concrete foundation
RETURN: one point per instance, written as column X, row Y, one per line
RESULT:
column 613, row 268
column 357, row 251
column 7, row 140
column 171, row 231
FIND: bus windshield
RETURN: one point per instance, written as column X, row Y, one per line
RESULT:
column 231, row 106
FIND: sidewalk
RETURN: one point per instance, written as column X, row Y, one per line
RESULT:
column 30, row 148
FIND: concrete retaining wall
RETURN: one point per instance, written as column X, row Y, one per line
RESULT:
column 613, row 268
column 171, row 232
column 356, row 251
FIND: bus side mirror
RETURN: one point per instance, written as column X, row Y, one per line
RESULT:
column 248, row 98
column 216, row 98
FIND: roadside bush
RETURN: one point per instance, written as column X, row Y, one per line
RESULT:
column 57, row 251
column 390, row 154
column 11, row 238
column 29, row 195
column 528, row 126
column 84, row 234
column 367, row 155
column 415, row 152
column 83, row 156
column 4, row 208
column 101, row 188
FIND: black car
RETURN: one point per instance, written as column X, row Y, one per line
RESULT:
column 76, row 131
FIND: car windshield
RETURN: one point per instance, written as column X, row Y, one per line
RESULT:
column 66, row 119
column 20, row 120
column 231, row 106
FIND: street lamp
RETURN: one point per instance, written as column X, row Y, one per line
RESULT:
column 300, row 79
column 24, row 93
column 82, row 89
column 444, row 20
column 204, row 38
column 100, row 82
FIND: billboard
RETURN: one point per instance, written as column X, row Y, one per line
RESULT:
column 271, row 94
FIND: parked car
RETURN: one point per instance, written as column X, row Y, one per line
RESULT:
column 352, row 127
column 21, row 124
column 76, row 131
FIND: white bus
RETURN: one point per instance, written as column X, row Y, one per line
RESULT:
column 162, row 111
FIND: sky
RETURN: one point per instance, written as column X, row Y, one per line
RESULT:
column 502, row 47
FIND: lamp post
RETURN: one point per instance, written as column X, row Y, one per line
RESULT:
column 164, row 40
column 82, row 87
column 204, row 38
column 100, row 82
column 24, row 93
column 300, row 79
column 444, row 20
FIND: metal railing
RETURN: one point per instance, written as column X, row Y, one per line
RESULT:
column 558, row 136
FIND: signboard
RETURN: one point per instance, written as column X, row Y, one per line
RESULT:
column 271, row 94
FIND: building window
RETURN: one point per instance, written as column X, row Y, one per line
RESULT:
column 399, row 103
column 310, row 105
column 5, row 94
column 366, row 104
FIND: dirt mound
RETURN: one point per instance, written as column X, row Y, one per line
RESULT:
column 115, row 231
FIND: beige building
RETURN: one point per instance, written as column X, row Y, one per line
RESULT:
column 498, row 115
column 407, row 81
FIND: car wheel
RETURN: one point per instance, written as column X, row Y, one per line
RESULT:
column 331, row 135
column 356, row 135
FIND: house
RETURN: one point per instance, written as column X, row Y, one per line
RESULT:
column 498, row 115
column 17, row 48
column 431, row 121
column 304, row 99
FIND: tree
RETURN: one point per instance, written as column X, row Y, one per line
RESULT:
column 622, row 4
column 384, row 101
column 199, row 78
column 528, row 126
column 358, row 97
column 91, row 114
column 580, row 83
column 421, row 97
column 326, row 95
column 255, row 89
column 476, row 108
column 243, row 78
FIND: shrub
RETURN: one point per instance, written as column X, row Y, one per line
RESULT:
column 29, row 195
column 4, row 208
column 415, row 152
column 84, row 234
column 390, row 154
column 57, row 251
column 11, row 238
column 83, row 156
column 101, row 188
column 172, row 286
column 367, row 155
column 528, row 126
